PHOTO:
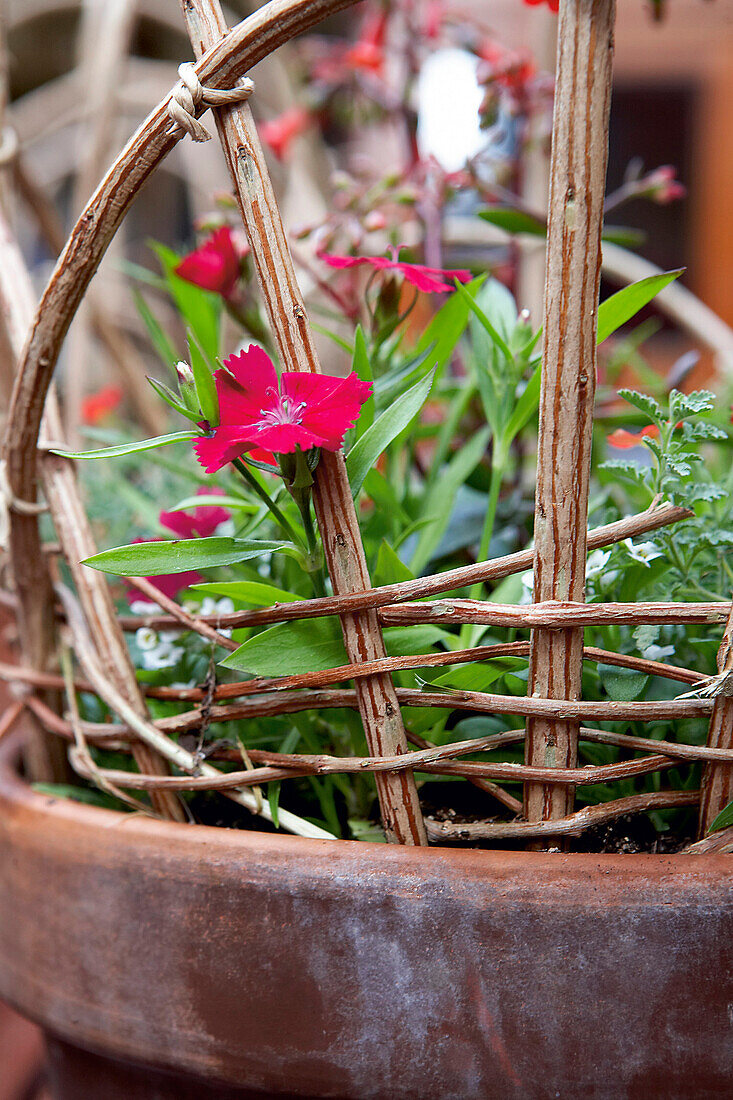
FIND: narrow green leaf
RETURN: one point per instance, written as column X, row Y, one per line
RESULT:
column 204, row 381
column 448, row 325
column 524, row 409
column 387, row 427
column 485, row 323
column 723, row 820
column 200, row 309
column 363, row 367
column 624, row 236
column 131, row 448
column 158, row 337
column 469, row 677
column 171, row 399
column 439, row 499
column 626, row 303
column 151, row 559
column 214, row 501
column 514, row 221
column 250, row 592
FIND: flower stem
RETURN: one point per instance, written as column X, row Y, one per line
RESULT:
column 498, row 467
column 264, row 496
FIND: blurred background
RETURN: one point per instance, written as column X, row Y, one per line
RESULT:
column 82, row 74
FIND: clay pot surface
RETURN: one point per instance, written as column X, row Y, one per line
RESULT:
column 239, row 963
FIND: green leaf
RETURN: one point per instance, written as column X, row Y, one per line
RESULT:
column 439, row 499
column 387, row 427
column 158, row 337
column 199, row 308
column 471, row 677
column 514, row 221
column 363, row 367
column 213, row 501
column 131, row 448
column 623, row 685
column 204, row 381
column 448, row 325
column 390, row 569
column 644, row 403
column 495, row 336
column 171, row 399
column 689, row 404
column 524, row 409
column 309, row 645
column 273, row 801
column 315, row 645
column 151, row 559
column 723, row 820
column 626, row 303
column 249, row 592
column 406, row 641
column 624, row 236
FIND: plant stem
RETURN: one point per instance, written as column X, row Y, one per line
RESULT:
column 264, row 496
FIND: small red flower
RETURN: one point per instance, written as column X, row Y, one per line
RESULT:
column 214, row 266
column 429, row 279
column 279, row 133
column 304, row 410
column 367, row 53
column 98, row 406
column 202, row 524
column 624, row 440
column 553, row 5
column 661, row 185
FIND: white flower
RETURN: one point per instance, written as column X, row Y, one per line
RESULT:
column 146, row 638
column 657, row 652
column 644, row 552
column 142, row 607
column 596, row 562
column 527, row 580
column 162, row 656
column 225, row 529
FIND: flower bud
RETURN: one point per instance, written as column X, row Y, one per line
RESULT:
column 187, row 387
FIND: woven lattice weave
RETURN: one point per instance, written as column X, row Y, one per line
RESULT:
column 553, row 709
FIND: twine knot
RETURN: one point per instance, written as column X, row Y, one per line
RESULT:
column 190, row 94
column 9, row 502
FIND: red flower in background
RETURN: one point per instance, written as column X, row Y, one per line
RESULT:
column 367, row 53
column 553, row 5
column 98, row 406
column 279, row 133
column 214, row 265
column 302, row 410
column 624, row 440
column 661, row 185
column 202, row 524
column 431, row 280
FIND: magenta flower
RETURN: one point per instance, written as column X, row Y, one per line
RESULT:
column 202, row 524
column 214, row 266
column 429, row 279
column 259, row 415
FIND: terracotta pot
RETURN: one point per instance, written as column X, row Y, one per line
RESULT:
column 245, row 964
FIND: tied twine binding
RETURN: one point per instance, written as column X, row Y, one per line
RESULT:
column 190, row 94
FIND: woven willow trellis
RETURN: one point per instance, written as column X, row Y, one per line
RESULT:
column 553, row 708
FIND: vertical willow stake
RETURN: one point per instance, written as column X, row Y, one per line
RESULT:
column 577, row 186
column 378, row 706
column 717, row 779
